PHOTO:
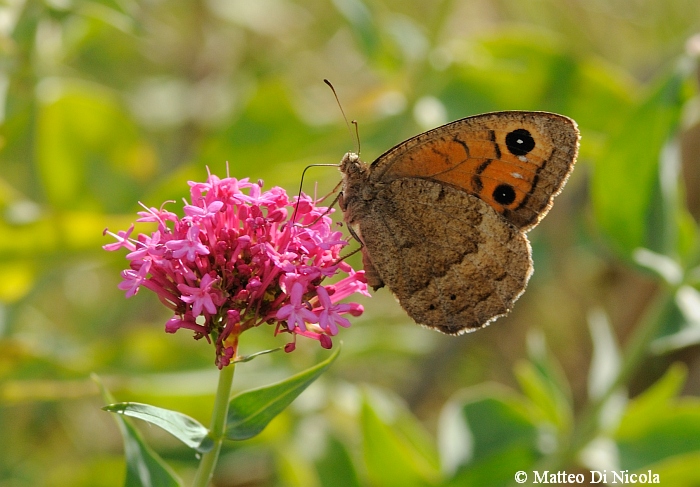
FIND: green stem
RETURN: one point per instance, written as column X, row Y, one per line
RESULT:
column 217, row 428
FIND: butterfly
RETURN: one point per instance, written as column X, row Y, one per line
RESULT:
column 442, row 217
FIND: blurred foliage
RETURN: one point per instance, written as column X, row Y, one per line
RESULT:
column 107, row 103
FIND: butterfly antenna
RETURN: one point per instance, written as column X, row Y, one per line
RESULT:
column 354, row 122
column 301, row 185
column 357, row 135
column 357, row 140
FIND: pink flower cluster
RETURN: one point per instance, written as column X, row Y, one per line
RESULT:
column 235, row 261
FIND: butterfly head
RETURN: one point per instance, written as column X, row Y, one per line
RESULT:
column 352, row 167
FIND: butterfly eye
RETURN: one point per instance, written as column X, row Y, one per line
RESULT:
column 504, row 194
column 520, row 142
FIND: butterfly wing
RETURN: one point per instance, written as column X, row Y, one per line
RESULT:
column 453, row 263
column 442, row 215
column 514, row 161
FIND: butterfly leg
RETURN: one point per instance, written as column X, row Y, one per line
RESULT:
column 371, row 273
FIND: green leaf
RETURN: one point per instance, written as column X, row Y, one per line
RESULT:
column 294, row 470
column 186, row 429
column 658, row 427
column 679, row 471
column 335, row 467
column 496, row 434
column 643, row 411
column 498, row 424
column 626, row 174
column 496, row 470
column 394, row 453
column 251, row 411
column 144, row 468
column 671, row 433
column 544, row 383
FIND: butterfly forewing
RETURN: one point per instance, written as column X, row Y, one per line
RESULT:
column 514, row 161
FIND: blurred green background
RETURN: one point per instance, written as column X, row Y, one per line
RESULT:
column 107, row 103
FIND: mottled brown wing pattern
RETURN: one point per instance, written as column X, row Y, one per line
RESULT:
column 442, row 215
column 455, row 278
